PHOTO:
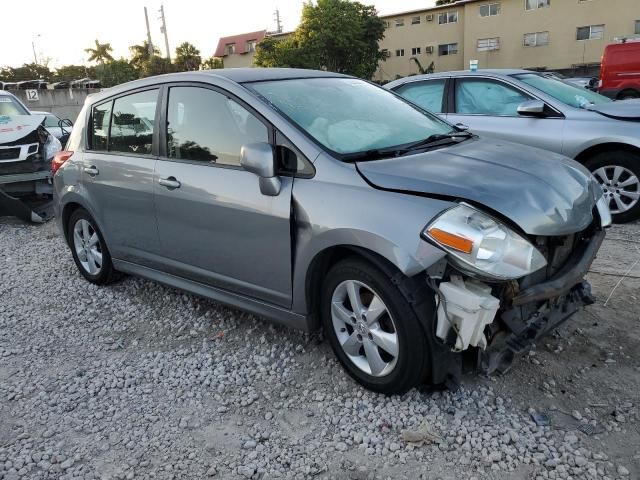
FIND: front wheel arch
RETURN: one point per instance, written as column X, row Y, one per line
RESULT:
column 594, row 150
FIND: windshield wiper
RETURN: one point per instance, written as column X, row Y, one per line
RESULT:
column 435, row 140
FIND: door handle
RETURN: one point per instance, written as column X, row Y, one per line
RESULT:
column 92, row 170
column 171, row 183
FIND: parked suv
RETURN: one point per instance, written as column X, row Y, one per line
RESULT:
column 539, row 110
column 620, row 70
column 313, row 198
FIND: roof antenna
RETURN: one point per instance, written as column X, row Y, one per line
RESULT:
column 276, row 15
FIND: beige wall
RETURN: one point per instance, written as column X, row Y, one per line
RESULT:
column 561, row 20
column 238, row 60
column 421, row 35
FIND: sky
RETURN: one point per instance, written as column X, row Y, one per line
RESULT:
column 62, row 30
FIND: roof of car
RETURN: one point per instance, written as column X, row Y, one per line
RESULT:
column 236, row 75
column 495, row 72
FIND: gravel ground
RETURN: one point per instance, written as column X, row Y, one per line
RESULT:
column 137, row 380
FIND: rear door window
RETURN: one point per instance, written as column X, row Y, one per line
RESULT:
column 206, row 126
column 428, row 95
column 132, row 123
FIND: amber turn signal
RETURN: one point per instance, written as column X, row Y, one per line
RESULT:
column 451, row 240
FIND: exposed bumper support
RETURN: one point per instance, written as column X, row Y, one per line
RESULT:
column 567, row 278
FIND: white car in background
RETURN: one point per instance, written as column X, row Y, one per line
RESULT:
column 56, row 126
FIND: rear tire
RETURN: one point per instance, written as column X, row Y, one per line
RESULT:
column 618, row 171
column 387, row 352
column 89, row 250
column 628, row 95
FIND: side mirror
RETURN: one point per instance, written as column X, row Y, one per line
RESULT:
column 258, row 158
column 531, row 108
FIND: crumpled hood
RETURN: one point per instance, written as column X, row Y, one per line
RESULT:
column 622, row 109
column 16, row 127
column 542, row 192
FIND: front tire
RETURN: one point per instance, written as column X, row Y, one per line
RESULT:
column 373, row 330
column 89, row 250
column 618, row 171
column 628, row 95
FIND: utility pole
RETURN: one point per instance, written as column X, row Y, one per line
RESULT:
column 276, row 15
column 150, row 44
column 163, row 29
column 33, row 47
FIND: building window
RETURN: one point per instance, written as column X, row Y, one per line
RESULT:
column 490, row 10
column 537, row 39
column 448, row 17
column 487, row 44
column 637, row 27
column 592, row 32
column 386, row 52
column 230, row 49
column 400, row 52
column 399, row 22
column 416, row 50
column 448, row 49
column 251, row 46
column 415, row 20
column 387, row 24
column 535, row 4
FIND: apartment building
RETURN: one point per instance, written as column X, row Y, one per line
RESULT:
column 238, row 51
column 560, row 35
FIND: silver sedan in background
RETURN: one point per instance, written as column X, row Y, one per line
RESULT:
column 538, row 110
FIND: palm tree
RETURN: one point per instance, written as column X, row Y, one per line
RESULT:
column 141, row 55
column 430, row 69
column 187, row 57
column 101, row 53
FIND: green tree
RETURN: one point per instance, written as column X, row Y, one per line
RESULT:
column 156, row 65
column 28, row 71
column 73, row 72
column 187, row 57
column 115, row 72
column 335, row 35
column 101, row 53
column 445, row 2
column 212, row 63
column 140, row 54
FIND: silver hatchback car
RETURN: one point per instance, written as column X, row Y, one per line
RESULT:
column 317, row 199
column 542, row 111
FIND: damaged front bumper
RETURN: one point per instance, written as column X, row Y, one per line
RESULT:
column 525, row 313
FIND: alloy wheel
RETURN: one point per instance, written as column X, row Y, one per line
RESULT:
column 87, row 246
column 365, row 328
column 621, row 187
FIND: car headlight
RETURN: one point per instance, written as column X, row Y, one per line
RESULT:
column 480, row 244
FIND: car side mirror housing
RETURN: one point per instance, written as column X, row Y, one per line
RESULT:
column 532, row 108
column 258, row 158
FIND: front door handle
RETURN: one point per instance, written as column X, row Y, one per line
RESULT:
column 92, row 170
column 171, row 183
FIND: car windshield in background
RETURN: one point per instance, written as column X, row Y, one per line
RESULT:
column 573, row 96
column 10, row 107
column 347, row 115
column 51, row 121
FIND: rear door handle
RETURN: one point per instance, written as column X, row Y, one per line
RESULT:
column 171, row 183
column 92, row 170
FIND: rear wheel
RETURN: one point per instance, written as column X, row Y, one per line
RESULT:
column 628, row 94
column 89, row 250
column 373, row 330
column 618, row 172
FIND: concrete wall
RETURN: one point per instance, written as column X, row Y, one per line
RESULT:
column 65, row 103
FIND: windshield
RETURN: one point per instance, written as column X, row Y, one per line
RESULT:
column 51, row 121
column 348, row 115
column 573, row 96
column 10, row 106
